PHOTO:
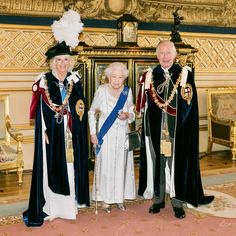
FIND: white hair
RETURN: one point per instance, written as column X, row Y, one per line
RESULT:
column 116, row 66
column 173, row 48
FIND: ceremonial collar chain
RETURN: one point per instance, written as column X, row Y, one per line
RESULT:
column 59, row 108
column 172, row 94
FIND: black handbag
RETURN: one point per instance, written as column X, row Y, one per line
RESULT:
column 135, row 140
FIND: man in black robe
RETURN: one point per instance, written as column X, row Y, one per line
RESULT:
column 169, row 160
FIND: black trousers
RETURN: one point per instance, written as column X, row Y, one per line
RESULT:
column 175, row 202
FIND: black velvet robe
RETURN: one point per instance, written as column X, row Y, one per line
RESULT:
column 55, row 150
column 187, row 179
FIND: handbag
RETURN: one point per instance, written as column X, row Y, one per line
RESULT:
column 135, row 141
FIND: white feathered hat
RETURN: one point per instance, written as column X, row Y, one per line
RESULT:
column 66, row 33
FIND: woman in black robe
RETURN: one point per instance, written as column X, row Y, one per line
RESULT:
column 60, row 181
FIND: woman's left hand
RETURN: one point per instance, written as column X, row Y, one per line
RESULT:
column 123, row 115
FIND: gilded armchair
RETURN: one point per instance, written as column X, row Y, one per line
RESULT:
column 11, row 157
column 222, row 119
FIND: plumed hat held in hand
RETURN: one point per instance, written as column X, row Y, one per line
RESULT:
column 66, row 33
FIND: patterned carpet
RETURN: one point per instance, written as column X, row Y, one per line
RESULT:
column 224, row 204
column 135, row 221
column 216, row 219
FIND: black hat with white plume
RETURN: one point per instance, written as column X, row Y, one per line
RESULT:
column 66, row 33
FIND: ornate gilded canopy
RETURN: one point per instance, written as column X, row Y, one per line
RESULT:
column 196, row 12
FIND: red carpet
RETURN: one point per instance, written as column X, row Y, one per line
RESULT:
column 134, row 221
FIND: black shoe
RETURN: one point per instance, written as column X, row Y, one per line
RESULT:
column 155, row 208
column 207, row 200
column 179, row 212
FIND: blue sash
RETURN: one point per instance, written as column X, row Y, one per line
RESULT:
column 112, row 117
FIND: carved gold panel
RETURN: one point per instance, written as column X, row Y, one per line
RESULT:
column 215, row 52
column 22, row 48
column 196, row 12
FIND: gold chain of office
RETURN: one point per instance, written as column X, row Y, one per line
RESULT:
column 58, row 108
column 172, row 94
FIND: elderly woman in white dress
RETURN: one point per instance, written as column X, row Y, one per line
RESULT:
column 114, row 177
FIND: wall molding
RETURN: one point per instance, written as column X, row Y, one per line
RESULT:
column 22, row 48
column 195, row 12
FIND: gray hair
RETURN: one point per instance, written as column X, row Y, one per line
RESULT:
column 52, row 62
column 116, row 66
column 166, row 42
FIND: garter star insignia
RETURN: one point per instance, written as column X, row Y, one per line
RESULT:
column 79, row 107
column 187, row 93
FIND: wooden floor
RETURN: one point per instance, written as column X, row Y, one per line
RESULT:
column 216, row 163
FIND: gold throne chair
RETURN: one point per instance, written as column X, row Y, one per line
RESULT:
column 11, row 156
column 222, row 118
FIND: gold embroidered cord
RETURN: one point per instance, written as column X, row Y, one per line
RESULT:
column 65, row 101
column 167, row 102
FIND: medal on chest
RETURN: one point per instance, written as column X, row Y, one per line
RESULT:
column 187, row 93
